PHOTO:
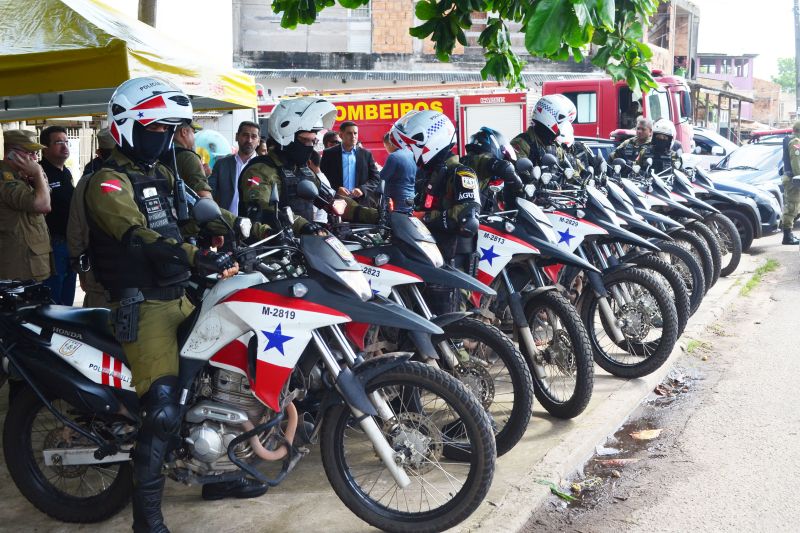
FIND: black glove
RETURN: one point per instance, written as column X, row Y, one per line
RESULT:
column 207, row 262
column 311, row 228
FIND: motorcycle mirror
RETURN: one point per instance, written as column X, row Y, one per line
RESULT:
column 205, row 210
column 604, row 167
column 649, row 161
column 537, row 172
column 245, row 226
column 546, row 177
column 591, row 182
column 636, row 169
column 307, row 190
column 677, row 163
column 590, row 170
column 338, row 206
column 530, row 190
column 569, row 172
column 549, row 160
column 617, row 169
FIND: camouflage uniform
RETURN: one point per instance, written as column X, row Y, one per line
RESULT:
column 629, row 150
column 190, row 169
column 527, row 144
column 791, row 187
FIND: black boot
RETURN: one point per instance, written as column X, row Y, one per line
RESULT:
column 241, row 488
column 160, row 422
column 789, row 238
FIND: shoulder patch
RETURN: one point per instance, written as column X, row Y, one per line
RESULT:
column 110, row 186
column 8, row 176
column 254, row 181
column 468, row 178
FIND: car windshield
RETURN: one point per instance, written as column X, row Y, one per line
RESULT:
column 753, row 157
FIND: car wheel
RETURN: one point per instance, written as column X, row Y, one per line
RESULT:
column 744, row 225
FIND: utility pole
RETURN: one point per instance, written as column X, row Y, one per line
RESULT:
column 797, row 58
column 147, row 12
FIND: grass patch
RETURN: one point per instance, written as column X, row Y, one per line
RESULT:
column 758, row 275
column 694, row 345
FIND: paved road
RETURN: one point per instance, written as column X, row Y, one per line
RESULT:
column 729, row 454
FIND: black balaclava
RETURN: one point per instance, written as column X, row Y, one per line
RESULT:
column 297, row 153
column 545, row 134
column 147, row 145
column 661, row 143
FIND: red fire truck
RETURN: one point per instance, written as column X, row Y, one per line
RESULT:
column 375, row 113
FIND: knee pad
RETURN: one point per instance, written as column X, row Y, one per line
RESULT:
column 160, row 412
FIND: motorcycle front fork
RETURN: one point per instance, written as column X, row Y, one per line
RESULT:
column 618, row 292
column 367, row 423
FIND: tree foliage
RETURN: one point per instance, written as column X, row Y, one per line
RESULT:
column 554, row 29
column 786, row 74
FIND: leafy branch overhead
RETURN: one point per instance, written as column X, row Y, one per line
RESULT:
column 554, row 29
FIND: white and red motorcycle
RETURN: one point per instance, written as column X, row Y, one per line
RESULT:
column 255, row 347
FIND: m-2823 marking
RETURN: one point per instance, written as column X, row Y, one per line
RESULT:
column 568, row 221
column 279, row 312
column 369, row 271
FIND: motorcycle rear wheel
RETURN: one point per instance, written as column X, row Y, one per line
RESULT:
column 79, row 494
column 426, row 402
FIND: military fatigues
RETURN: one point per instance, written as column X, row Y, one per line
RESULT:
column 255, row 189
column 24, row 238
column 132, row 228
column 190, row 168
column 629, row 150
column 487, row 168
column 791, row 188
column 78, row 244
column 527, row 144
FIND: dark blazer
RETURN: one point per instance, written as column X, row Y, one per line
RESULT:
column 368, row 177
column 223, row 180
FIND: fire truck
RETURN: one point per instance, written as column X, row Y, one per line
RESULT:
column 375, row 112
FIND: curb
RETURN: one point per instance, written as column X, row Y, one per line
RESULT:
column 509, row 508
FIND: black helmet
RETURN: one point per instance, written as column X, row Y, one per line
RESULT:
column 487, row 140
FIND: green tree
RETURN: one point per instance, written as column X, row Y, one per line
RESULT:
column 554, row 29
column 786, row 74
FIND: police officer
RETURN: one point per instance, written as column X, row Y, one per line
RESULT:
column 293, row 126
column 24, row 200
column 491, row 156
column 549, row 113
column 791, row 183
column 630, row 149
column 186, row 161
column 140, row 258
column 660, row 147
column 446, row 192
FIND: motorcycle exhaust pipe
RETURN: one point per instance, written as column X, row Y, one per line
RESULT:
column 283, row 450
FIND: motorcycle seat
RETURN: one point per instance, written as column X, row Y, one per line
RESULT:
column 92, row 325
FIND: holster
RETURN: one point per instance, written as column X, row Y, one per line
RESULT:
column 126, row 318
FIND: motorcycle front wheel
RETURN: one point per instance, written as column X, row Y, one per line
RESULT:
column 427, row 404
column 70, row 493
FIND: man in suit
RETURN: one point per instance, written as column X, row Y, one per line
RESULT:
column 351, row 169
column 224, row 179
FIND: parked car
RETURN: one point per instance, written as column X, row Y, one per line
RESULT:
column 769, row 135
column 709, row 148
column 752, row 224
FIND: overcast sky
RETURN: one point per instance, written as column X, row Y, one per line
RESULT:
column 763, row 27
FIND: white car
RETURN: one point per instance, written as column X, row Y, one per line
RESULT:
column 709, row 148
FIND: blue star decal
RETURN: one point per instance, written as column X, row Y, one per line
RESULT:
column 487, row 254
column 276, row 339
column 565, row 236
column 140, row 115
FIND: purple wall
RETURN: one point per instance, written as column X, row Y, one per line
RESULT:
column 739, row 74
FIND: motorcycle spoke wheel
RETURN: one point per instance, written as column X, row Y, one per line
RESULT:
column 431, row 411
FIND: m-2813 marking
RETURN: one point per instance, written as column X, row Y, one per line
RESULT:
column 494, row 238
column 278, row 312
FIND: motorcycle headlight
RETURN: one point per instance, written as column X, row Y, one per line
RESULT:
column 432, row 251
column 357, row 282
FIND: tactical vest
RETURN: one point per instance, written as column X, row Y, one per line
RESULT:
column 121, row 266
column 289, row 179
column 535, row 149
column 661, row 161
column 629, row 151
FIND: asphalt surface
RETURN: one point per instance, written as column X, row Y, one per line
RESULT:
column 551, row 451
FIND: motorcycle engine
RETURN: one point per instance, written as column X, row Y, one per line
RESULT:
column 214, row 421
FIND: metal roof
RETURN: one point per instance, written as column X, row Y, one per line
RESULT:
column 444, row 76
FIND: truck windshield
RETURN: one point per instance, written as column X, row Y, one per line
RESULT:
column 657, row 105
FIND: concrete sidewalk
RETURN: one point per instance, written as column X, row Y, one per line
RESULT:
column 550, row 450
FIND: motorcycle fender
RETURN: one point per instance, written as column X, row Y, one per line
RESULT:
column 424, row 344
column 53, row 375
column 449, row 318
column 527, row 296
column 633, row 255
column 445, row 276
column 626, row 236
column 615, row 268
column 717, row 198
column 700, row 204
column 596, row 281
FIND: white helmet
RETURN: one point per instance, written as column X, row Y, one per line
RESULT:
column 567, row 105
column 551, row 111
column 566, row 134
column 308, row 113
column 426, row 133
column 664, row 126
column 144, row 101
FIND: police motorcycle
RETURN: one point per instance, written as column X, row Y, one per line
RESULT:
column 687, row 265
column 518, row 248
column 629, row 314
column 254, row 347
column 398, row 256
column 695, row 237
column 730, row 241
column 636, row 223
